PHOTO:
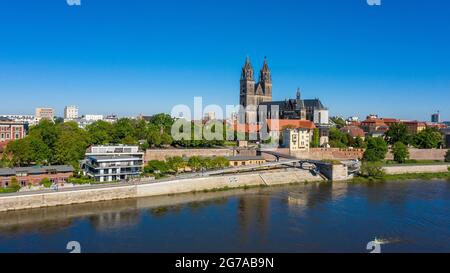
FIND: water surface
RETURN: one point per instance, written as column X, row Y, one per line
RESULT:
column 323, row 217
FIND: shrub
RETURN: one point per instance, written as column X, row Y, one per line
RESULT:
column 156, row 166
column 15, row 184
column 373, row 170
column 46, row 182
column 80, row 180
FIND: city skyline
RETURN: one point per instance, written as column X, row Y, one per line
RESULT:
column 358, row 59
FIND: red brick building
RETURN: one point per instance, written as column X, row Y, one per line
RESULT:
column 33, row 175
column 11, row 130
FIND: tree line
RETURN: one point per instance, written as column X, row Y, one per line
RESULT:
column 54, row 143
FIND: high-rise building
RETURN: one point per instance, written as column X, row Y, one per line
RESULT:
column 436, row 117
column 70, row 112
column 45, row 113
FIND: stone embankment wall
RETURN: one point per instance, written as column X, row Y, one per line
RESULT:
column 49, row 199
column 162, row 154
column 423, row 154
column 417, row 169
column 323, row 154
column 348, row 154
column 78, row 196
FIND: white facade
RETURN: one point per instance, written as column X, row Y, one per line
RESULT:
column 321, row 117
column 93, row 117
column 113, row 163
column 25, row 119
column 70, row 112
column 297, row 139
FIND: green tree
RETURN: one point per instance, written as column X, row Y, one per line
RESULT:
column 338, row 139
column 71, row 145
column 359, row 143
column 372, row 170
column 176, row 163
column 315, row 139
column 156, row 167
column 21, row 152
column 122, row 129
column 220, row 162
column 376, row 149
column 100, row 132
column 163, row 121
column 447, row 156
column 4, row 161
column 429, row 138
column 42, row 154
column 46, row 182
column 398, row 132
column 195, row 163
column 47, row 131
column 401, row 152
column 14, row 184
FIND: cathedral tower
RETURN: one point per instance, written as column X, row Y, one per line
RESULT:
column 253, row 94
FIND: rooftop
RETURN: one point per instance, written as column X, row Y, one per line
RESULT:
column 36, row 170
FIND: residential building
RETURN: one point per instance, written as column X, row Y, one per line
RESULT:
column 350, row 120
column 44, row 113
column 25, row 119
column 34, row 175
column 297, row 139
column 113, row 163
column 70, row 112
column 374, row 126
column 353, row 131
column 415, row 126
column 93, row 117
column 237, row 161
column 11, row 130
column 275, row 127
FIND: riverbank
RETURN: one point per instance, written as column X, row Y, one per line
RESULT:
column 31, row 200
column 88, row 194
column 403, row 177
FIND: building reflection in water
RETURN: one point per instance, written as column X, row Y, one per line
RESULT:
column 115, row 220
column 253, row 216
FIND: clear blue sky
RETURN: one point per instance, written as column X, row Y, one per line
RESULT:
column 143, row 56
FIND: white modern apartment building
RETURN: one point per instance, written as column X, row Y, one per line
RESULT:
column 91, row 117
column 113, row 163
column 70, row 112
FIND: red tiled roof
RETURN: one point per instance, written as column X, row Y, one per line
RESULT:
column 353, row 131
column 280, row 124
column 246, row 128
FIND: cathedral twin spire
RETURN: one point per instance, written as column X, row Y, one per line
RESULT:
column 247, row 72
